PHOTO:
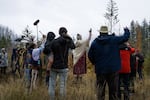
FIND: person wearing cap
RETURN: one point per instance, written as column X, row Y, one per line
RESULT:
column 105, row 56
column 3, row 60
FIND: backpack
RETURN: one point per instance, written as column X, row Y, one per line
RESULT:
column 35, row 60
column 47, row 48
column 36, row 54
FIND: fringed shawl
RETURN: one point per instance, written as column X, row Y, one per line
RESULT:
column 81, row 47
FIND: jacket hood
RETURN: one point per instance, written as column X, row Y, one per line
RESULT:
column 103, row 39
column 124, row 47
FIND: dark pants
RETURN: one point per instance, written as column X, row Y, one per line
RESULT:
column 140, row 73
column 112, row 80
column 47, row 77
column 3, row 70
column 17, row 68
column 124, row 82
column 132, row 79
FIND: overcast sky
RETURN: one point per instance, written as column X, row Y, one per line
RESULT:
column 78, row 16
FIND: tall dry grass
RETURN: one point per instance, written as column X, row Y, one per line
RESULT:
column 15, row 89
column 11, row 89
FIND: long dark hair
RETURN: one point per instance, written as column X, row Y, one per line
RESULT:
column 50, row 36
column 62, row 31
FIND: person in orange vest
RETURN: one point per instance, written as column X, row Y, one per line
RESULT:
column 125, row 51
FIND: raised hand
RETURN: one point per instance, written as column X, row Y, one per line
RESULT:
column 90, row 34
column 126, row 29
column 90, row 31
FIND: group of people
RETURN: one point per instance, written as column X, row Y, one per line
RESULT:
column 112, row 56
column 59, row 60
column 56, row 51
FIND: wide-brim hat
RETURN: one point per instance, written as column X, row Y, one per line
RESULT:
column 103, row 29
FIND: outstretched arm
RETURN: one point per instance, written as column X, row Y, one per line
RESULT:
column 90, row 34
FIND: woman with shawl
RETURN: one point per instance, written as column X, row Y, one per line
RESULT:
column 79, row 56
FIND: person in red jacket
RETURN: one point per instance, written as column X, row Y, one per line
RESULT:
column 124, row 73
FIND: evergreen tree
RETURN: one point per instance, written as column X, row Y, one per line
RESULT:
column 133, row 33
column 5, row 36
column 112, row 14
column 27, row 35
column 138, row 37
column 145, row 31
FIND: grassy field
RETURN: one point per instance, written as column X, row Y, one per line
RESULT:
column 15, row 89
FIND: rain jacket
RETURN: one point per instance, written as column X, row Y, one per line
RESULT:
column 104, row 52
column 125, row 53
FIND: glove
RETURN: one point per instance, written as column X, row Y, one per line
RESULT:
column 44, row 36
column 90, row 31
column 126, row 30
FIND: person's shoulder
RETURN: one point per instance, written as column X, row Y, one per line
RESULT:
column 60, row 39
column 94, row 41
column 57, row 39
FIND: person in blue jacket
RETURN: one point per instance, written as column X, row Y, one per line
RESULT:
column 105, row 56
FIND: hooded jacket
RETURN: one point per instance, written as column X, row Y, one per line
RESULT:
column 104, row 52
column 60, row 48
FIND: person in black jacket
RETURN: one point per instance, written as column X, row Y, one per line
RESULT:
column 60, row 48
column 49, row 54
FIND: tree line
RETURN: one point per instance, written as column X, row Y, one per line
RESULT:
column 139, row 38
column 6, row 36
column 140, row 35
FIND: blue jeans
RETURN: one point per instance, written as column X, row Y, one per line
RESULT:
column 62, row 73
column 27, row 75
